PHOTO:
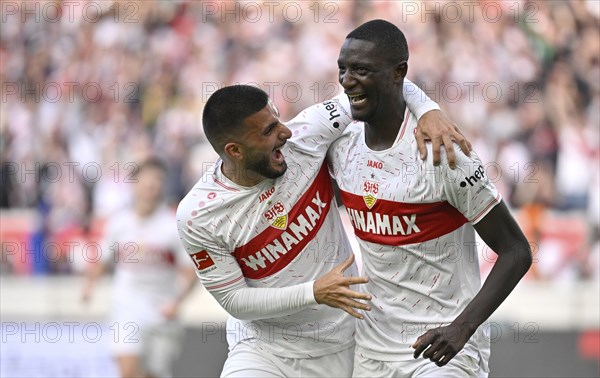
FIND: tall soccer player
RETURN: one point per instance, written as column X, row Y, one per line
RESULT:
column 415, row 223
column 263, row 232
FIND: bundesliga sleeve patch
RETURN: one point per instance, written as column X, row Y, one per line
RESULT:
column 202, row 260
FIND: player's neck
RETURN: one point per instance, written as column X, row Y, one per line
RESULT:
column 239, row 175
column 382, row 130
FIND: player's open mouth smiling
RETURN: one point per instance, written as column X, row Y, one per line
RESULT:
column 357, row 99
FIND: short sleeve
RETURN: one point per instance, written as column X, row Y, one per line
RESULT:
column 468, row 188
column 317, row 127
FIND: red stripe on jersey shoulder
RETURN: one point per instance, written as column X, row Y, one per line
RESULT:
column 399, row 223
column 273, row 249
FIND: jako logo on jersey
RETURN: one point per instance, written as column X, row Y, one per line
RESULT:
column 277, row 216
column 266, row 195
column 203, row 261
column 471, row 180
column 370, row 191
column 333, row 112
column 374, row 164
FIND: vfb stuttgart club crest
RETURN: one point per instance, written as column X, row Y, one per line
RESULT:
column 370, row 191
column 277, row 216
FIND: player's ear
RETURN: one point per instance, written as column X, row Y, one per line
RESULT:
column 400, row 70
column 234, row 151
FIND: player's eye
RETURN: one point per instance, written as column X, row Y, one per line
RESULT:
column 269, row 130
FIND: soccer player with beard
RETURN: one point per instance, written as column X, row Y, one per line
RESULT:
column 266, row 238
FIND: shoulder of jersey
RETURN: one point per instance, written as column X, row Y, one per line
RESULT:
column 461, row 158
column 330, row 110
column 205, row 196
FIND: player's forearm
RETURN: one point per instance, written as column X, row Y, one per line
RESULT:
column 417, row 101
column 508, row 270
column 262, row 303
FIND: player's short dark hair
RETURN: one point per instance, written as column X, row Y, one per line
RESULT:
column 384, row 35
column 150, row 163
column 226, row 110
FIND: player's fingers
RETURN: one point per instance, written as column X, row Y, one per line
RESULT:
column 349, row 293
column 349, row 300
column 435, row 144
column 438, row 355
column 355, row 304
column 345, row 264
column 470, row 146
column 464, row 143
column 420, row 137
column 422, row 343
column 352, row 312
column 429, row 353
column 435, row 347
column 450, row 153
column 465, row 147
column 347, row 281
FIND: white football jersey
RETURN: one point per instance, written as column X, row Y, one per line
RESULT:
column 413, row 223
column 147, row 254
column 279, row 233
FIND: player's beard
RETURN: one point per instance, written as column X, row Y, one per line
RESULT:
column 261, row 164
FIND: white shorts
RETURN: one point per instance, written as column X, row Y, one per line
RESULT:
column 462, row 365
column 245, row 360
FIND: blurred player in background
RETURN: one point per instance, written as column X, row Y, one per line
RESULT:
column 265, row 240
column 415, row 224
column 151, row 279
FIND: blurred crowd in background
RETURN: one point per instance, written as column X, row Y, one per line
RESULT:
column 90, row 91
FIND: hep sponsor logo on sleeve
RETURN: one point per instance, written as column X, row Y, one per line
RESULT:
column 479, row 174
column 334, row 113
